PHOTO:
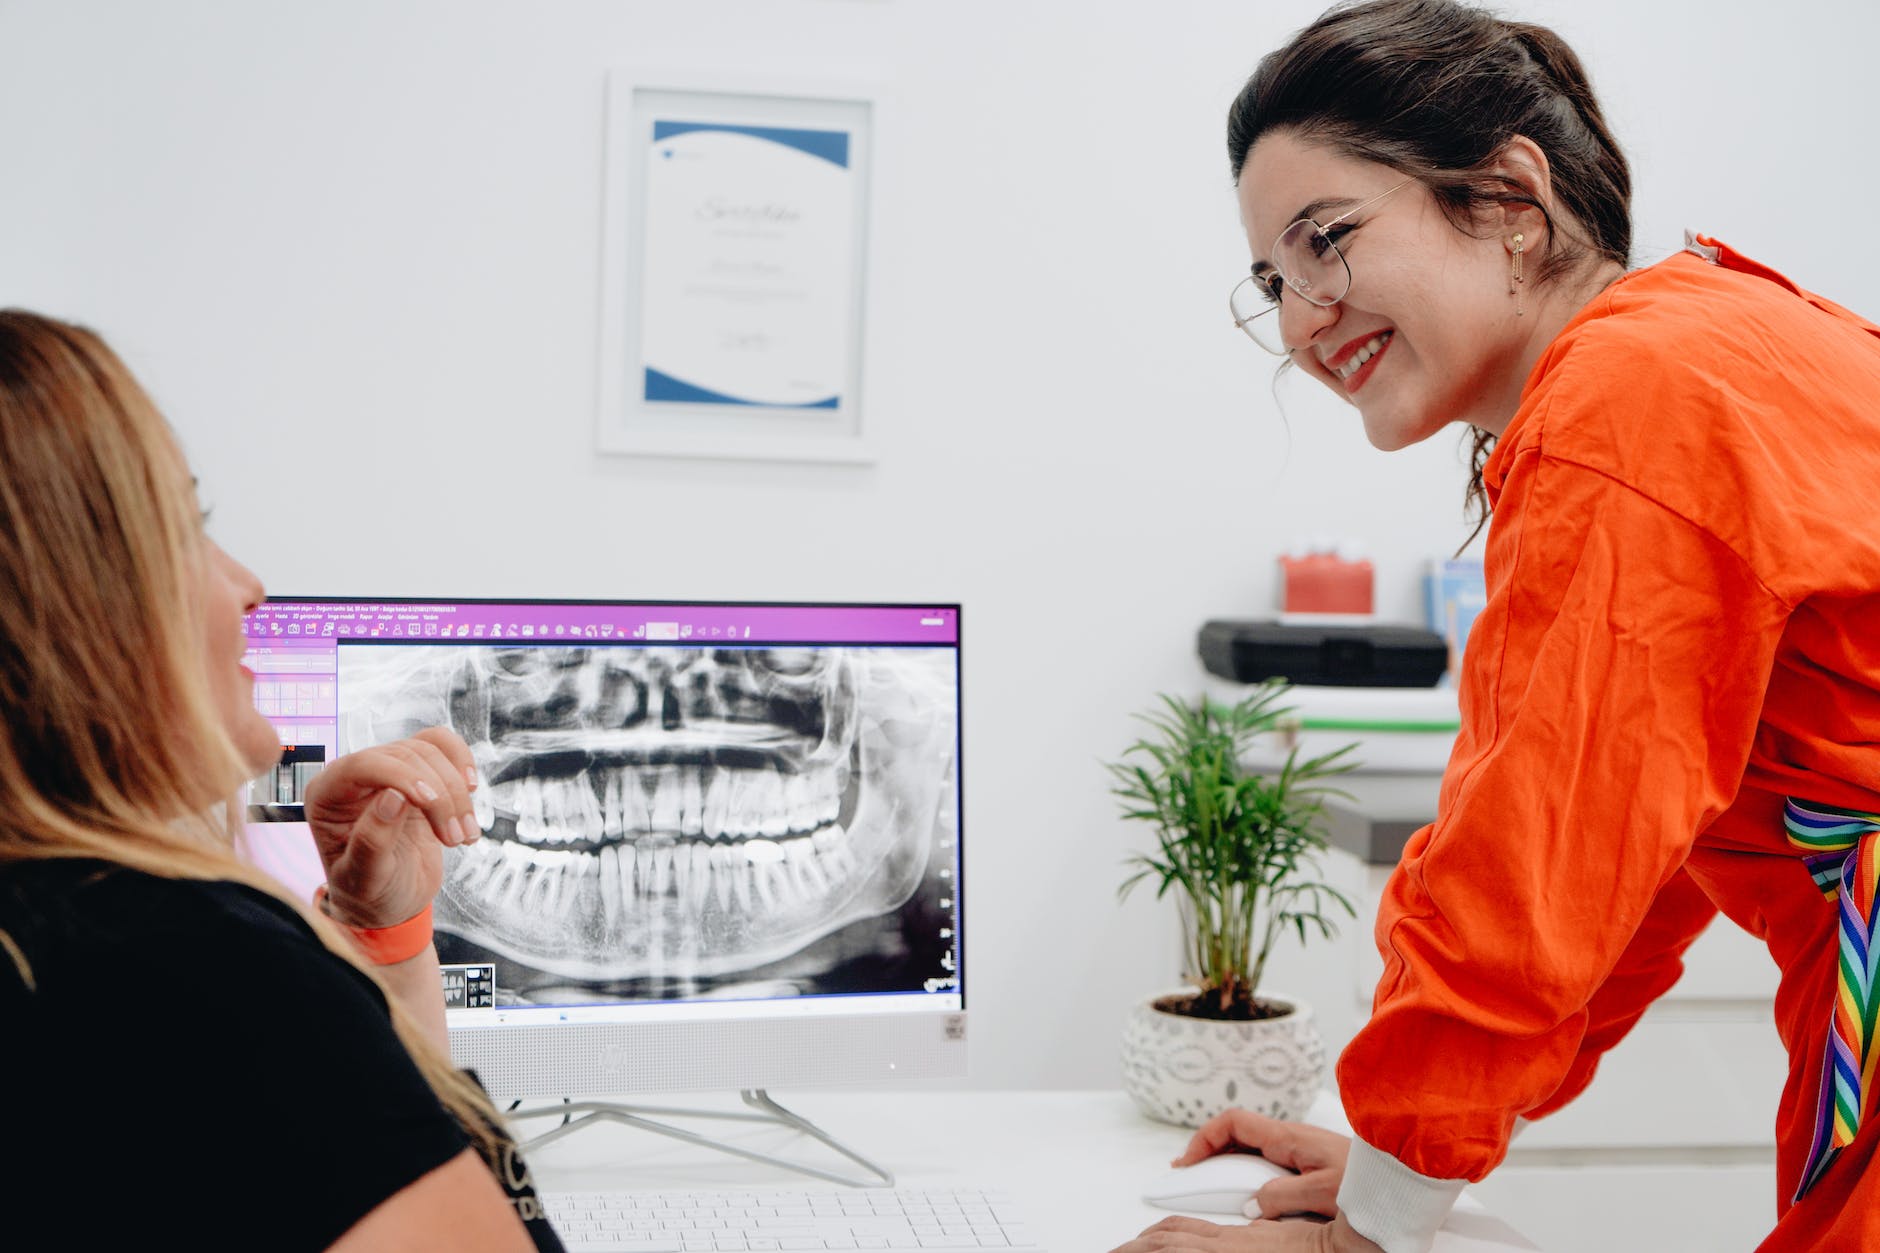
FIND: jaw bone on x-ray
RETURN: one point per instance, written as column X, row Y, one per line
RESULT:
column 656, row 816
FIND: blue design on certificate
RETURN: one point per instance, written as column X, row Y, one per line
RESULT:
column 748, row 282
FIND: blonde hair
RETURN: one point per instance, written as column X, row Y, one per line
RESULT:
column 99, row 527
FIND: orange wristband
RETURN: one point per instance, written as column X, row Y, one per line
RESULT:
column 385, row 946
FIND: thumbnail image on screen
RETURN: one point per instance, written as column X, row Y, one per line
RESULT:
column 676, row 822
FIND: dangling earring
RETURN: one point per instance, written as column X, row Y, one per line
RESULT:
column 1516, row 279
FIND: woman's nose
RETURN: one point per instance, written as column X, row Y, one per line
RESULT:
column 1300, row 320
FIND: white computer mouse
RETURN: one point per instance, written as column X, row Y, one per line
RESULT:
column 1222, row 1184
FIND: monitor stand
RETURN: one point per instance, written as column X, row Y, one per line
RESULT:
column 768, row 1111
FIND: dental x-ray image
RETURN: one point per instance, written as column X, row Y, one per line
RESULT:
column 666, row 822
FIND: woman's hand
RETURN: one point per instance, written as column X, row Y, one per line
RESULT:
column 1319, row 1157
column 1200, row 1236
column 381, row 819
column 1317, row 1154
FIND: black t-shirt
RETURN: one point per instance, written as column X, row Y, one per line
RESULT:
column 189, row 1067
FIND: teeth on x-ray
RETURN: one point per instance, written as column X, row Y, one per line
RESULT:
column 673, row 812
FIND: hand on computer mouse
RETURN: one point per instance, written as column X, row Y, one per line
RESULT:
column 1317, row 1154
column 381, row 819
column 1172, row 1234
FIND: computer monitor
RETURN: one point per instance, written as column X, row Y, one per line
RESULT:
column 721, row 842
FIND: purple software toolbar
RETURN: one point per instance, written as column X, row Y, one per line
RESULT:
column 392, row 621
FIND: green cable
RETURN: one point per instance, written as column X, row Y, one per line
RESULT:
column 1367, row 724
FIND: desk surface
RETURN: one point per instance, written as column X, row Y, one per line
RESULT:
column 1074, row 1162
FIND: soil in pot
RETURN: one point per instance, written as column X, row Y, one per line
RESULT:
column 1239, row 1008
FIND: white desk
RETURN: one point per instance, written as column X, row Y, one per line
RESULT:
column 1074, row 1162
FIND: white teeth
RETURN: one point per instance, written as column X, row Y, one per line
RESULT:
column 740, row 874
column 610, row 883
column 742, row 838
column 529, row 809
column 590, row 822
column 725, row 868
column 668, row 807
column 636, row 816
column 1363, row 355
column 810, row 879
column 795, row 799
column 716, row 793
column 696, row 882
column 829, row 798
column 762, row 852
column 774, row 808
column 551, row 880
column 506, row 884
column 691, row 804
column 767, row 879
column 679, row 863
column 611, row 824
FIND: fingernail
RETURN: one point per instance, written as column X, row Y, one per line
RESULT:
column 456, row 831
column 1252, row 1208
column 425, row 791
column 388, row 805
column 470, row 776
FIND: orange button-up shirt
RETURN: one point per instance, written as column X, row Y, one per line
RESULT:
column 1683, row 626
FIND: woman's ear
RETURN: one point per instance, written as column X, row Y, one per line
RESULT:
column 1522, row 163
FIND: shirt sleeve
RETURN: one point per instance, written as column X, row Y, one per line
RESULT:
column 1610, row 694
column 1651, row 963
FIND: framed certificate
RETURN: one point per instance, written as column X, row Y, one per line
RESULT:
column 734, row 267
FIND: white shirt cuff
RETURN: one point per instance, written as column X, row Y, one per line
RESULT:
column 1391, row 1205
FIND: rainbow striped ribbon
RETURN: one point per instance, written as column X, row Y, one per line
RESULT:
column 1841, row 849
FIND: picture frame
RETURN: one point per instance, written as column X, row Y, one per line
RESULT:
column 735, row 265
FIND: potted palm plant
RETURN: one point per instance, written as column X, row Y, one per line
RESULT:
column 1238, row 850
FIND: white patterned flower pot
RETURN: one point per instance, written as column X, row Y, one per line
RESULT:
column 1187, row 1070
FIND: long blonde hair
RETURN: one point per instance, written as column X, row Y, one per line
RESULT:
column 101, row 640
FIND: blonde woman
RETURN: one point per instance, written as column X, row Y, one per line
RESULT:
column 192, row 1056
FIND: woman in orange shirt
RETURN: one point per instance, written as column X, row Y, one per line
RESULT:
column 1671, row 704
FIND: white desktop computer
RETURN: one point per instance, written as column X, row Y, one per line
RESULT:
column 721, row 842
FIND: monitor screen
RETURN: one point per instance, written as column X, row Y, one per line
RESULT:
column 702, row 824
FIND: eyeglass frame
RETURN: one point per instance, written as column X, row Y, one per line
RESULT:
column 1323, row 229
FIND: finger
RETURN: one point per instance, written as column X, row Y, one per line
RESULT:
column 1312, row 1193
column 455, row 750
column 1231, row 1128
column 443, row 790
column 391, row 781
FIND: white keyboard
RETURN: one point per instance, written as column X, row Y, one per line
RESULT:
column 950, row 1220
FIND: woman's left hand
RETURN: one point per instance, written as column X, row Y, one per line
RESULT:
column 1264, row 1236
column 381, row 819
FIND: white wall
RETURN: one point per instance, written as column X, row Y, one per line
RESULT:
column 353, row 248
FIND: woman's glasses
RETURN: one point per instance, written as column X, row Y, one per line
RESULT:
column 1307, row 262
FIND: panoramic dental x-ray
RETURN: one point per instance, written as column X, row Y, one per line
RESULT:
column 687, row 822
